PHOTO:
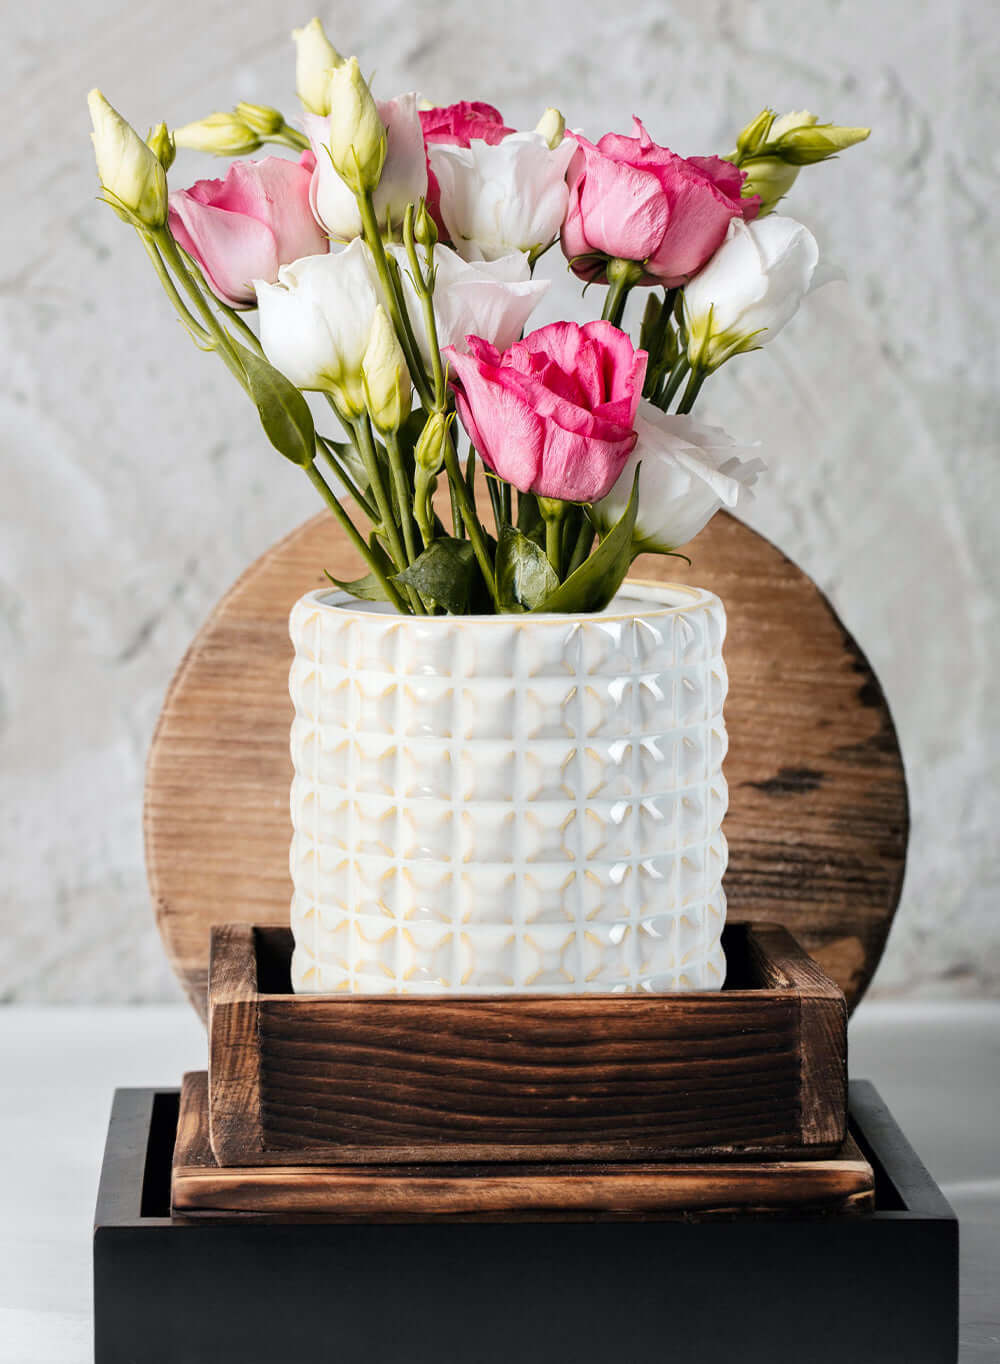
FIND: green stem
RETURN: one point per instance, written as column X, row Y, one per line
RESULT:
column 223, row 341
column 197, row 333
column 665, row 397
column 694, row 383
column 622, row 275
column 247, row 333
column 471, row 518
column 507, row 502
column 394, row 296
column 426, row 294
column 553, row 543
column 289, row 137
column 366, row 447
column 328, row 449
column 404, row 494
column 495, row 502
column 356, row 538
column 584, row 540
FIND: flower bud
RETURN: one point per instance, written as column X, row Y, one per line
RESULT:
column 552, row 127
column 129, row 171
column 315, row 58
column 385, row 377
column 357, row 134
column 429, row 451
column 754, row 135
column 769, row 177
column 806, row 145
column 220, row 134
column 424, row 227
column 784, row 123
column 260, row 118
column 161, row 143
column 429, row 461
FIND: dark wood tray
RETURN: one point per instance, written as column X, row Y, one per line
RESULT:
column 816, row 1287
column 758, row 1069
column 843, row 1183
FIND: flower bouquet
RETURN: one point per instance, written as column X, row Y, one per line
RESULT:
column 508, row 759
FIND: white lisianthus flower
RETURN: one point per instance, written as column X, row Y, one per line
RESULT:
column 508, row 196
column 403, row 178
column 491, row 299
column 688, row 472
column 749, row 289
column 316, row 322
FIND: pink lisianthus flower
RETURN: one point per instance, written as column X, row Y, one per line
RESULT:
column 455, row 125
column 248, row 225
column 553, row 414
column 630, row 199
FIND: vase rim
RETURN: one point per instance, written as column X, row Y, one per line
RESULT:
column 639, row 591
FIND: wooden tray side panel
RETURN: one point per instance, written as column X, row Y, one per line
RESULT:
column 370, row 1079
column 817, row 823
column 843, row 1183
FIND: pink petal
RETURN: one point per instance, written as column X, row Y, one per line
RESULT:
column 231, row 248
column 624, row 210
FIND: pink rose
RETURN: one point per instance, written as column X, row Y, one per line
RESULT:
column 246, row 226
column 634, row 200
column 555, row 413
column 456, row 125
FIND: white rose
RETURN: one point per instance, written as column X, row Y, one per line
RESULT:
column 491, row 299
column 510, row 196
column 315, row 323
column 749, row 289
column 688, row 472
column 404, row 175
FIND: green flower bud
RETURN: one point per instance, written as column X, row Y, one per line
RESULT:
column 805, row 146
column 385, row 377
column 260, row 118
column 428, row 463
column 130, row 172
column 220, row 134
column 771, row 178
column 753, row 136
column 357, row 134
column 161, row 143
column 552, row 127
column 315, row 58
column 424, row 227
column 430, row 447
column 784, row 123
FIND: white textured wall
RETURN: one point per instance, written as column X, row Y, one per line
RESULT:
column 136, row 484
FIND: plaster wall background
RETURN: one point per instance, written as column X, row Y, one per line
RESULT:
column 136, row 485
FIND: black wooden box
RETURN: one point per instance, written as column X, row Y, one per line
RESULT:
column 820, row 1290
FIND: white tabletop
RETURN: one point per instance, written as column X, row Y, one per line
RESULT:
column 936, row 1065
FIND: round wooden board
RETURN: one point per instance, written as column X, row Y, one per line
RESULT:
column 817, row 824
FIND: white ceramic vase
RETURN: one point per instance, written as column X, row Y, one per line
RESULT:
column 509, row 804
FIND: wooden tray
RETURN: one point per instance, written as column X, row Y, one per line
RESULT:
column 817, row 819
column 819, row 1287
column 200, row 1186
column 758, row 1068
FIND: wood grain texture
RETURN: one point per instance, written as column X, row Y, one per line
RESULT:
column 817, row 824
column 354, row 1079
column 843, row 1183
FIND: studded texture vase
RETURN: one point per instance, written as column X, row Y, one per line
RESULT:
column 519, row 803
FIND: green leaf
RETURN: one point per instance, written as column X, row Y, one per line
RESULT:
column 284, row 413
column 524, row 575
column 446, row 573
column 367, row 588
column 598, row 578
